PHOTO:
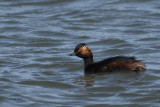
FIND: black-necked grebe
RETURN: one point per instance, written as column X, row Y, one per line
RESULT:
column 117, row 63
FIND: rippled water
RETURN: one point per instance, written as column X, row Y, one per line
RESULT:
column 36, row 37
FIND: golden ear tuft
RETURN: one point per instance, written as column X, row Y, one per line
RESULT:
column 84, row 47
column 85, row 50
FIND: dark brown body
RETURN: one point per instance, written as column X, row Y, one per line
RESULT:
column 119, row 63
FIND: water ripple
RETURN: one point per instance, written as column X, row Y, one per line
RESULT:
column 37, row 36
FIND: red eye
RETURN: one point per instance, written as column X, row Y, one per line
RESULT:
column 79, row 51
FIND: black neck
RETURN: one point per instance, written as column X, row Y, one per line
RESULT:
column 88, row 61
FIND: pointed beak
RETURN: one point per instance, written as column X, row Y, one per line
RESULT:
column 72, row 54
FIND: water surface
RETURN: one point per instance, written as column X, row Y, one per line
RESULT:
column 37, row 36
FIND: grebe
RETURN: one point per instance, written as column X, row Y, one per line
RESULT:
column 118, row 63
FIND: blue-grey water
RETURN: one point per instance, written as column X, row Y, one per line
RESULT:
column 36, row 37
